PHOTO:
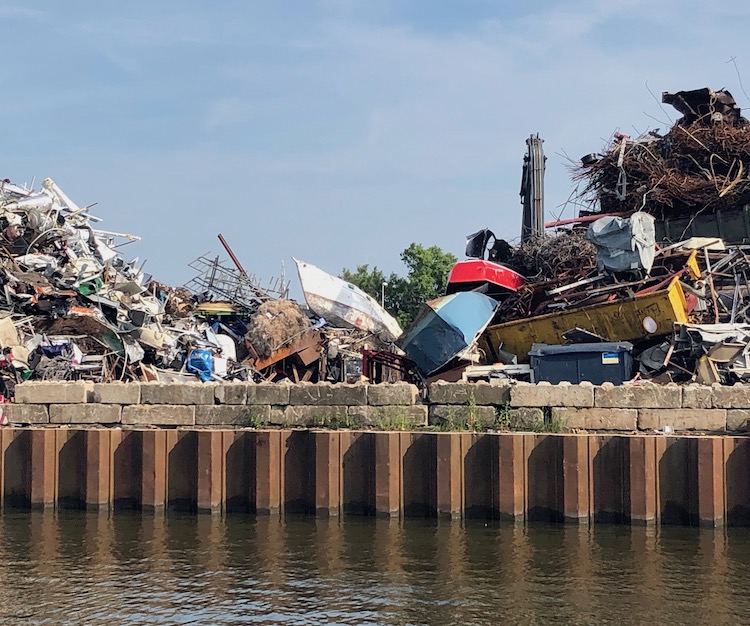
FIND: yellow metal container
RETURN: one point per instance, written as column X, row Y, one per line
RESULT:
column 618, row 321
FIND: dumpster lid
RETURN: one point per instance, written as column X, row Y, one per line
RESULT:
column 543, row 349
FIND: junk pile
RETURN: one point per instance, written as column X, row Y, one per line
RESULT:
column 66, row 291
column 701, row 164
column 650, row 281
column 72, row 308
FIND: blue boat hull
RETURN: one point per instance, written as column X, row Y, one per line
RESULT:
column 445, row 328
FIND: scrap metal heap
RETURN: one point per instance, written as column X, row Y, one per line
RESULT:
column 66, row 292
column 657, row 268
column 72, row 308
column 657, row 264
column 701, row 164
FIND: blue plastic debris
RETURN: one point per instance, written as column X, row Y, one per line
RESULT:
column 200, row 362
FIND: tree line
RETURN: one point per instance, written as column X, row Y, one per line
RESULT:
column 426, row 278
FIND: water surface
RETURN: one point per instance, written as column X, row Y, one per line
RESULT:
column 83, row 568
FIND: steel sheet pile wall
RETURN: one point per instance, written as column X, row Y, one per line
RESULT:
column 642, row 479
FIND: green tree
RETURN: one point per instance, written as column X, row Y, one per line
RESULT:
column 368, row 280
column 426, row 278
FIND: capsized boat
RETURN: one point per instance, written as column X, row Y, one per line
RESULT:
column 447, row 328
column 491, row 278
column 340, row 302
column 486, row 275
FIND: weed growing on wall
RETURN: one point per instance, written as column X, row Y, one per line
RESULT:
column 396, row 420
column 503, row 416
column 550, row 425
column 472, row 419
column 253, row 420
column 336, row 422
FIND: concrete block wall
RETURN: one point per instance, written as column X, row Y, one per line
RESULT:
column 642, row 407
column 501, row 405
column 388, row 406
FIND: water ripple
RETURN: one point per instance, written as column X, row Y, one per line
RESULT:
column 79, row 568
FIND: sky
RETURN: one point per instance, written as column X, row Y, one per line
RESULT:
column 336, row 131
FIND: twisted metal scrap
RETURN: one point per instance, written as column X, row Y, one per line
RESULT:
column 702, row 165
column 549, row 257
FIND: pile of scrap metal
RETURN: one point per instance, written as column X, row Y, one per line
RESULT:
column 662, row 299
column 72, row 308
column 693, row 179
column 69, row 302
column 257, row 333
column 656, row 267
column 683, row 309
column 276, row 339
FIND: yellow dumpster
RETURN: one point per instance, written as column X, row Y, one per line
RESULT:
column 622, row 320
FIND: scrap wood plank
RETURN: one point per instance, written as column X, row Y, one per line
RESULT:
column 310, row 339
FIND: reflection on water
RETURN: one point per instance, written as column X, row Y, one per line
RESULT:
column 81, row 568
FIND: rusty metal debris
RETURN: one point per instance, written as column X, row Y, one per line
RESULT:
column 659, row 256
column 72, row 308
column 700, row 165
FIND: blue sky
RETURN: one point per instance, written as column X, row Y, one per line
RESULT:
column 336, row 131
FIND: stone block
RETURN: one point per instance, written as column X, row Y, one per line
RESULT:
column 158, row 415
column 457, row 417
column 697, row 397
column 26, row 413
column 116, row 393
column 310, row 415
column 737, row 420
column 545, row 394
column 231, row 393
column 396, row 394
column 84, row 413
column 58, row 392
column 682, row 419
column 349, row 395
column 646, row 396
column 731, row 397
column 177, row 393
column 232, row 415
column 268, row 393
column 595, row 419
column 328, row 394
column 482, row 393
column 525, row 418
column 276, row 416
column 389, row 417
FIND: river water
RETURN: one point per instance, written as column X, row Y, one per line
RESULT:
column 84, row 568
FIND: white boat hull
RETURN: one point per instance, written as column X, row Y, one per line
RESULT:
column 342, row 303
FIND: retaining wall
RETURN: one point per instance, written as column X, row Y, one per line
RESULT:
column 637, row 479
column 520, row 406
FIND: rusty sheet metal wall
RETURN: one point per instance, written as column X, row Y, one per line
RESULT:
column 638, row 479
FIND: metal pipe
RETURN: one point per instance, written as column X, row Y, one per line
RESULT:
column 582, row 220
column 232, row 256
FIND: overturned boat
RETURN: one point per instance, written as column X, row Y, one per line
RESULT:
column 447, row 328
column 340, row 302
column 484, row 275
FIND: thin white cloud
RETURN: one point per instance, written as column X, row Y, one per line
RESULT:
column 18, row 12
